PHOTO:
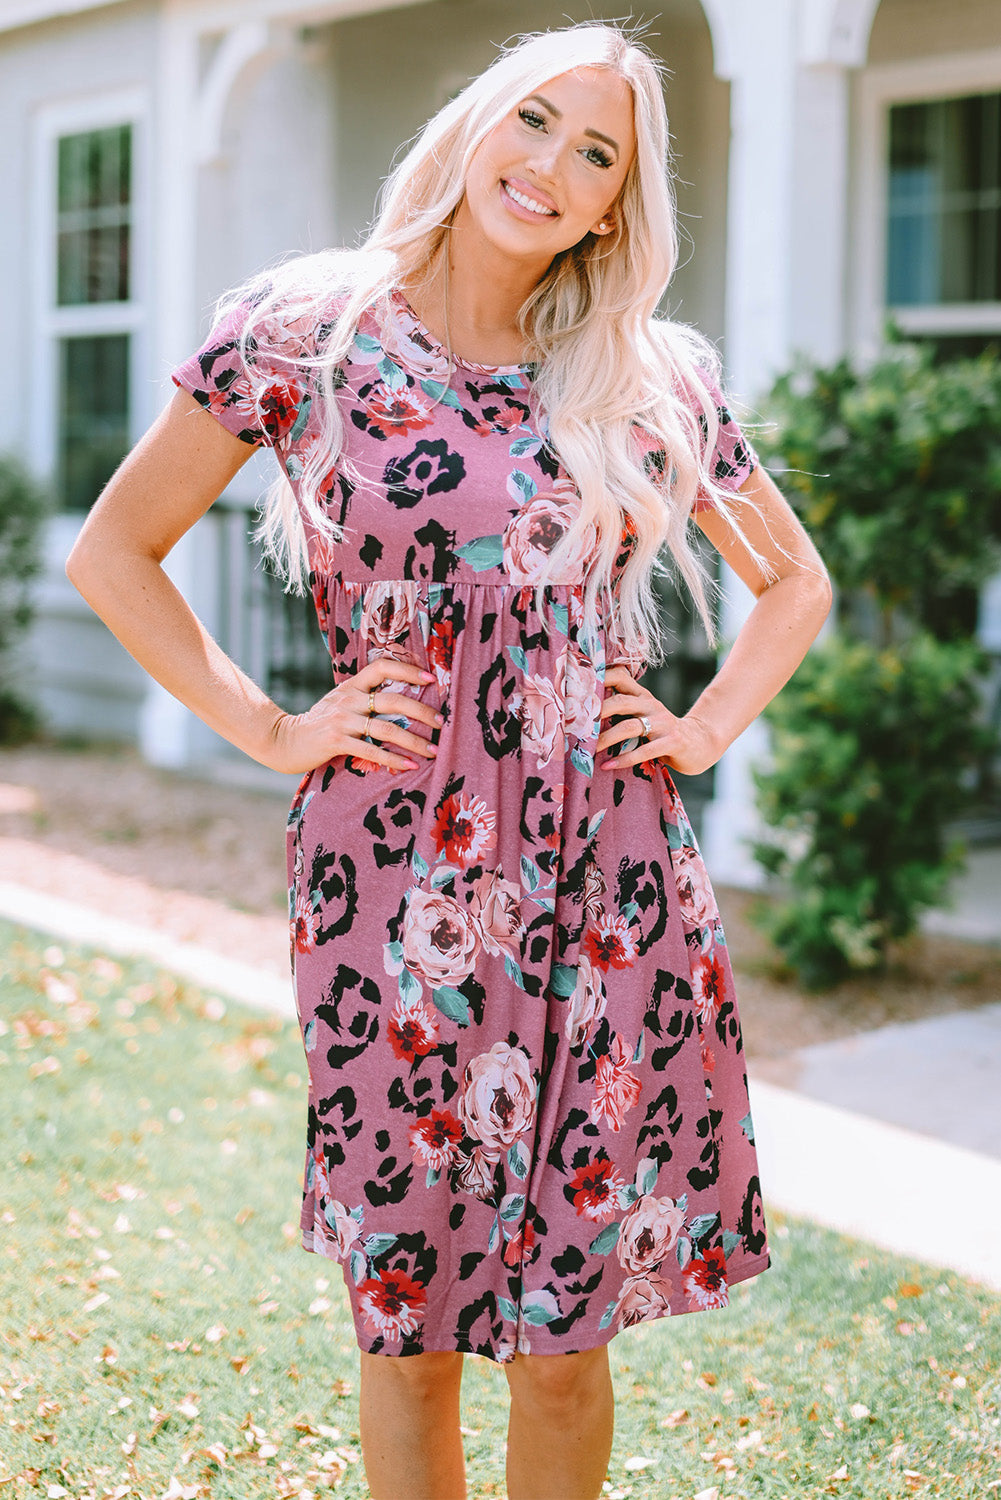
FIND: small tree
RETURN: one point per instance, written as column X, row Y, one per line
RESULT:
column 22, row 509
column 896, row 472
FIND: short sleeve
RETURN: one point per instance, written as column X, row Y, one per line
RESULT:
column 733, row 457
column 256, row 396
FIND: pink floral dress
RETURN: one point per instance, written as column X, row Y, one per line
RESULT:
column 528, row 1123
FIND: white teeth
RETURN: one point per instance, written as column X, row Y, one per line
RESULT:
column 536, row 208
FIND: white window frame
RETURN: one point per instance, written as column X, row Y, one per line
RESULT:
column 52, row 322
column 950, row 76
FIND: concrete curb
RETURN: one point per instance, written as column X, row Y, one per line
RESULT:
column 74, row 923
column 866, row 1178
column 851, row 1173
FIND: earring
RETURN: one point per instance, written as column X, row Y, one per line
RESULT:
column 603, row 226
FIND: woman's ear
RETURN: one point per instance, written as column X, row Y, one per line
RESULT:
column 605, row 225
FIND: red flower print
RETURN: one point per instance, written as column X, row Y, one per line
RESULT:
column 278, row 406
column 305, row 923
column 395, row 411
column 596, row 1188
column 392, row 1304
column 708, row 986
column 464, row 829
column 433, row 1140
column 708, row 1058
column 441, row 644
column 519, row 1247
column 509, row 418
column 412, row 1033
column 705, row 1280
column 615, row 1088
column 611, row 941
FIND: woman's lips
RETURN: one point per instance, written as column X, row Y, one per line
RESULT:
column 512, row 191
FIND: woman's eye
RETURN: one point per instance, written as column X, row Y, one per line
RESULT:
column 599, row 157
column 531, row 118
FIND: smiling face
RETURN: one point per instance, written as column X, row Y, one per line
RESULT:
column 551, row 171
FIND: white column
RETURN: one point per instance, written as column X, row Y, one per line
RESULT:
column 166, row 727
column 786, row 239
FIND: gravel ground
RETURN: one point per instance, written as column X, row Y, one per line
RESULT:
column 205, row 862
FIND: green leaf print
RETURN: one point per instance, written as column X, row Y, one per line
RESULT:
column 512, row 970
column 452, row 1004
column 391, row 374
column 518, row 1160
column 517, row 655
column 747, row 1126
column 530, row 875
column 606, row 1240
column 482, row 552
column 563, row 980
column 646, row 1175
column 507, row 1309
column 302, row 417
column 441, row 393
column 561, row 617
column 731, row 1239
column 359, row 1267
column 702, row 1227
column 608, row 1315
column 540, row 1307
column 582, row 760
column 418, row 865
column 378, row 1244
column 410, row 986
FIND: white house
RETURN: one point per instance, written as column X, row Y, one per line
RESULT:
column 838, row 159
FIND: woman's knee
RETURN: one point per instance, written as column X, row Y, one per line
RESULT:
column 559, row 1379
column 427, row 1376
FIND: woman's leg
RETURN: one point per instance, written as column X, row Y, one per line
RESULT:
column 560, row 1431
column 409, row 1416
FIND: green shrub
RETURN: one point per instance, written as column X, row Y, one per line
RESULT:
column 22, row 510
column 870, row 749
column 896, row 473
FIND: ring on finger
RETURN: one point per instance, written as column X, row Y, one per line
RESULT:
column 645, row 722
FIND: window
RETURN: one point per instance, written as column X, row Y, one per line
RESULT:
column 943, row 234
column 91, row 308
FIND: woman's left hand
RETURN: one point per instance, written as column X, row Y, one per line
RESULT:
column 686, row 744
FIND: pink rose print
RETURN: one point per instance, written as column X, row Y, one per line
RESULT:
column 708, row 985
column 463, row 829
column 704, row 1280
column 698, row 905
column 615, row 1088
column 649, row 1232
column 534, row 532
column 412, row 1032
column 577, row 684
column 440, row 940
column 476, row 1175
column 540, row 710
column 388, row 613
column 498, row 1098
column 495, row 907
column 611, row 941
column 392, row 1304
column 433, row 1140
column 587, row 1003
column 596, row 1189
column 643, row 1298
column 347, row 1231
column 594, row 889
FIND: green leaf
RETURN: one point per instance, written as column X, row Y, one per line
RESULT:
column 530, row 875
column 481, row 553
column 517, row 655
column 452, row 1004
column 507, row 1309
column 700, row 1228
column 563, row 980
column 378, row 1244
column 608, row 1315
column 540, row 1307
column 583, row 760
column 731, row 1239
column 646, row 1175
column 418, row 865
column 512, row 1207
column 747, row 1126
column 518, row 1159
column 513, row 971
column 606, row 1240
column 302, row 417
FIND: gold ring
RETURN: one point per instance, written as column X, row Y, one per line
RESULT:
column 371, row 702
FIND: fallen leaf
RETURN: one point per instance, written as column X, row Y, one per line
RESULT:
column 97, row 1301
column 909, row 1289
column 706, row 1378
column 239, row 1362
column 637, row 1462
column 675, row 1418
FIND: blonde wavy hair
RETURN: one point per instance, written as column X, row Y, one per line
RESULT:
column 608, row 368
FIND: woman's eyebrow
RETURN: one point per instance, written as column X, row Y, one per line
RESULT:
column 558, row 114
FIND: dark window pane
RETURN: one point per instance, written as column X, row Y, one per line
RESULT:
column 944, row 231
column 94, row 216
column 93, row 415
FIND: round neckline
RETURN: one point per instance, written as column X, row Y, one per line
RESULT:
column 437, row 348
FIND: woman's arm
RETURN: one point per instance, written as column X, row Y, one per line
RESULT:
column 168, row 480
column 790, row 608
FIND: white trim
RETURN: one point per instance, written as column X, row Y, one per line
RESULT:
column 949, row 76
column 949, row 317
column 49, row 321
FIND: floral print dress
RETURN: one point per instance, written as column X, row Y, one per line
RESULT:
column 528, row 1123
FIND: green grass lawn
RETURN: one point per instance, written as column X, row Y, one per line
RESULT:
column 162, row 1333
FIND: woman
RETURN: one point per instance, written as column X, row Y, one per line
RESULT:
column 528, row 1123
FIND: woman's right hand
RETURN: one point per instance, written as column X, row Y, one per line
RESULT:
column 337, row 723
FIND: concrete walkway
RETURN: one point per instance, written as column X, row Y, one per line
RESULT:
column 916, row 1152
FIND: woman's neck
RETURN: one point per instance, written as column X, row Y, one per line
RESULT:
column 471, row 307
